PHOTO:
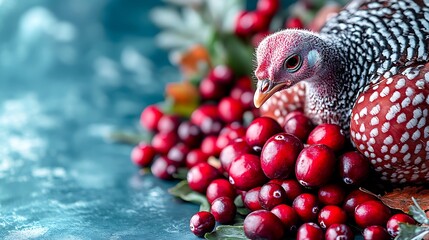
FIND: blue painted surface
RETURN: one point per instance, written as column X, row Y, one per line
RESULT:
column 72, row 71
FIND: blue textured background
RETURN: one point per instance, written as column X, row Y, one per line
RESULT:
column 72, row 71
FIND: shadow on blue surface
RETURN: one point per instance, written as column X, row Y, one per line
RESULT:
column 71, row 72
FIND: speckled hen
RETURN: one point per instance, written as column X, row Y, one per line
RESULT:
column 367, row 70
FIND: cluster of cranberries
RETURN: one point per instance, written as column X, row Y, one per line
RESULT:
column 255, row 24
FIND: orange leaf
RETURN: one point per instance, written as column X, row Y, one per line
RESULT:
column 191, row 60
column 400, row 198
column 182, row 92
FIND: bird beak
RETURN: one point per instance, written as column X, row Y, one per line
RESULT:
column 265, row 89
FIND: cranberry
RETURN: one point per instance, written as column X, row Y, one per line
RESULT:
column 222, row 74
column 287, row 215
column 331, row 214
column 206, row 117
column 190, row 134
column 260, row 130
column 393, row 223
column 309, row 231
column 339, row 231
column 311, row 161
column 245, row 96
column 245, row 172
column 178, row 154
column 150, row 117
column 372, row 212
column 258, row 37
column 211, row 90
column 163, row 168
column 331, row 194
column 263, row 224
column 248, row 23
column 231, row 110
column 194, row 157
column 375, row 233
column 268, row 7
column 229, row 134
column 279, row 155
column 223, row 209
column 200, row 176
column 232, row 151
column 220, row 188
column 291, row 186
column 329, row 134
column 294, row 22
column 142, row 155
column 271, row 195
column 353, row 199
column 296, row 123
column 251, row 199
column 208, row 146
column 201, row 223
column 168, row 123
column 306, row 206
column 162, row 142
column 354, row 168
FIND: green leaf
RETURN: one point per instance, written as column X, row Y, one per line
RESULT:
column 226, row 232
column 411, row 232
column 184, row 192
column 181, row 173
column 130, row 138
column 239, row 55
column 418, row 214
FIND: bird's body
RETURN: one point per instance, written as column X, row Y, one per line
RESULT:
column 367, row 70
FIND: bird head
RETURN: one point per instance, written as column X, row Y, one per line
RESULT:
column 284, row 59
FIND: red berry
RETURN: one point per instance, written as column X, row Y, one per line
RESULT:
column 220, row 188
column 142, row 155
column 178, row 154
column 311, row 161
column 248, row 23
column 279, row 155
column 271, row 195
column 245, row 172
column 163, row 168
column 223, row 209
column 251, row 199
column 200, row 176
column 229, row 134
column 294, row 22
column 375, row 233
column 331, row 194
column 291, row 186
column 202, row 223
column 353, row 199
column 309, row 231
column 194, row 157
column 353, row 167
column 206, row 117
column 168, row 123
column 339, row 231
column 296, row 123
column 263, row 224
column 232, row 151
column 329, row 134
column 231, row 110
column 260, row 130
column 287, row 215
column 211, row 90
column 150, row 117
column 393, row 223
column 331, row 214
column 162, row 142
column 190, row 134
column 268, row 7
column 222, row 74
column 371, row 212
column 306, row 206
column 208, row 146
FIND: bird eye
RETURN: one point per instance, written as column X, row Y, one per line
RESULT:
column 292, row 63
